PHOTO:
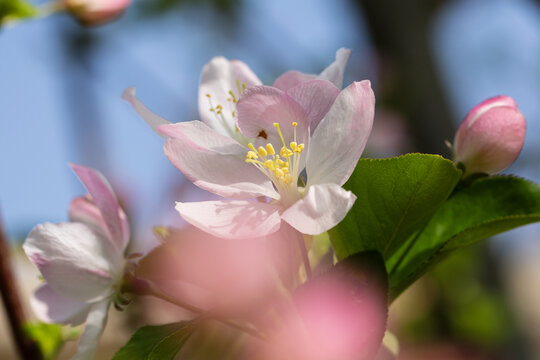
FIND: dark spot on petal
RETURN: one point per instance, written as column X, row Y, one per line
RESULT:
column 262, row 134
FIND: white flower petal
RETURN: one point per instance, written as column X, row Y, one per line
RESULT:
column 153, row 120
column 321, row 209
column 341, row 136
column 334, row 72
column 95, row 323
column 233, row 219
column 51, row 307
column 214, row 162
column 76, row 260
column 218, row 78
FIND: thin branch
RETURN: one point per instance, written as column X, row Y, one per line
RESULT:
column 27, row 348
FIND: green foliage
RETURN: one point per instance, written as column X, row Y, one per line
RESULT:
column 396, row 197
column 156, row 342
column 487, row 207
column 49, row 338
column 404, row 212
column 15, row 9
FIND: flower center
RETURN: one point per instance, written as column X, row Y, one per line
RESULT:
column 283, row 168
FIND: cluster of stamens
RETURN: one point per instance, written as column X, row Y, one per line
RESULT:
column 233, row 98
column 282, row 168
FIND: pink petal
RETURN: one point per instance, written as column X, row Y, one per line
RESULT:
column 487, row 105
column 340, row 138
column 334, row 72
column 95, row 323
column 51, row 307
column 232, row 219
column 103, row 196
column 491, row 139
column 153, row 120
column 218, row 77
column 77, row 261
column 262, row 106
column 214, row 162
column 320, row 210
column 315, row 97
column 291, row 79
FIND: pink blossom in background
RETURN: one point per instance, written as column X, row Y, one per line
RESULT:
column 82, row 261
column 491, row 136
column 96, row 12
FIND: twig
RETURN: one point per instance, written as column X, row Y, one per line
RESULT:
column 27, row 347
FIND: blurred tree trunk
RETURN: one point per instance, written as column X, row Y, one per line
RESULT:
column 400, row 31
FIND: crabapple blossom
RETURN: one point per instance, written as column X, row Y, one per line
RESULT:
column 81, row 261
column 311, row 126
column 96, row 12
column 271, row 166
column 491, row 136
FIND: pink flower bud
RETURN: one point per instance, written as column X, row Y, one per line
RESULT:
column 96, row 12
column 491, row 136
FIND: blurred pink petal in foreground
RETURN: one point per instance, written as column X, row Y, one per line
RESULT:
column 331, row 317
column 236, row 276
column 491, row 136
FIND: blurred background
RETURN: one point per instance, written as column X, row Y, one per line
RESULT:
column 429, row 63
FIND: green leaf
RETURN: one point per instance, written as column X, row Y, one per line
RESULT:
column 49, row 338
column 16, row 9
column 156, row 342
column 488, row 207
column 395, row 198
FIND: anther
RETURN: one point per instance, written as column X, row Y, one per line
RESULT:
column 294, row 145
column 270, row 149
column 285, row 152
column 295, row 124
column 233, row 97
column 262, row 152
column 250, row 145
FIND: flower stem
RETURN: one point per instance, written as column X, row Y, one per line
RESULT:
column 153, row 290
column 27, row 347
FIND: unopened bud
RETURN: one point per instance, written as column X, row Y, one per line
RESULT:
column 491, row 136
column 96, row 12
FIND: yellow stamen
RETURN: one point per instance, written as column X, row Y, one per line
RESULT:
column 262, row 152
column 250, row 145
column 280, row 134
column 295, row 124
column 294, row 145
column 270, row 149
column 232, row 96
column 286, row 153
